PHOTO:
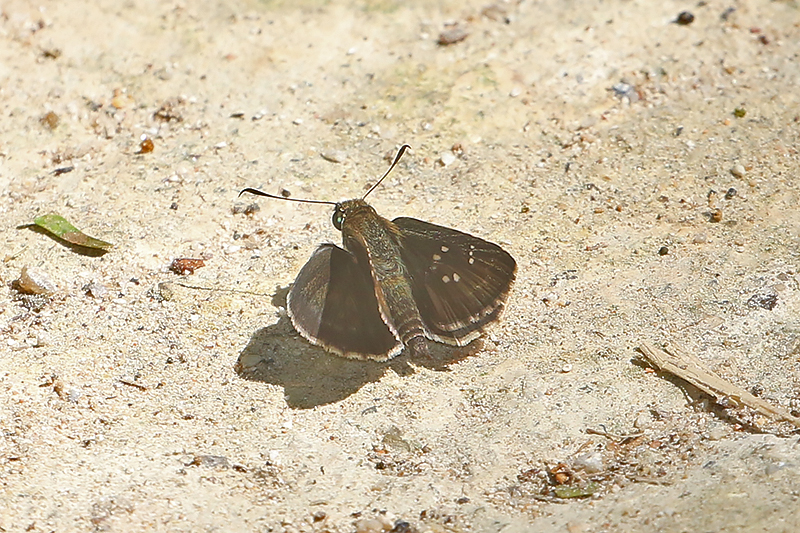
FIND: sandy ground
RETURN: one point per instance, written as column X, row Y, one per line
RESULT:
column 643, row 173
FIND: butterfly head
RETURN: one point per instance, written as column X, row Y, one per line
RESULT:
column 351, row 210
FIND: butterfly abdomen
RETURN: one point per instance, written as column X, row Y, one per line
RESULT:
column 376, row 240
column 397, row 306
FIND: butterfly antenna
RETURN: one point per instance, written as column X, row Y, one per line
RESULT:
column 262, row 193
column 400, row 153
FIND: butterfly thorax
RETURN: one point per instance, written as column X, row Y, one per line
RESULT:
column 375, row 243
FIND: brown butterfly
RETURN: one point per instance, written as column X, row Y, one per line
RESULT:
column 396, row 283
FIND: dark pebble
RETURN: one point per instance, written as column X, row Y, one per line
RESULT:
column 685, row 18
column 766, row 301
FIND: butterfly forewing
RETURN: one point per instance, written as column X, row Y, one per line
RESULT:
column 460, row 282
column 332, row 304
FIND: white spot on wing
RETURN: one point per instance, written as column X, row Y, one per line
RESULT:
column 456, row 277
column 446, row 279
column 445, row 249
column 437, row 257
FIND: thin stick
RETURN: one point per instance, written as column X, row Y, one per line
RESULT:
column 604, row 433
column 691, row 369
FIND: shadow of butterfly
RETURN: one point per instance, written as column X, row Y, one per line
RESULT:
column 396, row 283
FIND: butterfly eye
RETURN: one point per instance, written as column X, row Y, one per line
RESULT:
column 338, row 218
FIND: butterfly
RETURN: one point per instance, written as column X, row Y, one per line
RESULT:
column 394, row 285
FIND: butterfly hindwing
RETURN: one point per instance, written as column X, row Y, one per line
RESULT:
column 460, row 282
column 332, row 304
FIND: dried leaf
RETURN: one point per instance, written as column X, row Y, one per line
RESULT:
column 186, row 265
column 61, row 228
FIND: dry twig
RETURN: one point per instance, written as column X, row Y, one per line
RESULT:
column 690, row 368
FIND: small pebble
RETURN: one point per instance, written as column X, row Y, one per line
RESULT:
column 164, row 291
column 738, row 170
column 566, row 369
column 663, row 250
column 550, row 298
column 401, row 526
column 210, row 461
column 334, row 156
column 447, row 158
column 33, row 302
column 120, row 100
column 496, row 12
column 452, row 35
column 37, row 341
column 146, row 146
column 369, row 525
column 247, row 209
column 730, row 193
column 643, row 420
column 73, row 395
column 70, row 394
column 625, row 90
column 49, row 120
column 715, row 215
column 591, row 463
column 766, row 301
column 95, row 290
column 34, row 281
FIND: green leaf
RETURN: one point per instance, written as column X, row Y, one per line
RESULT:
column 61, row 228
column 563, row 491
